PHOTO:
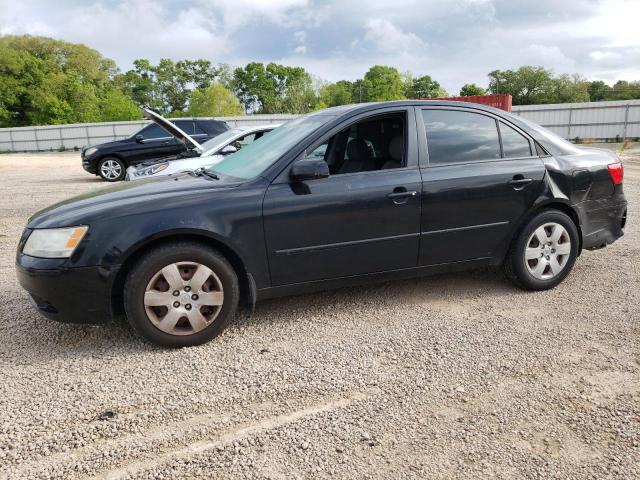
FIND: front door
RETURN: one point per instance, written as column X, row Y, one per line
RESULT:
column 364, row 218
column 482, row 176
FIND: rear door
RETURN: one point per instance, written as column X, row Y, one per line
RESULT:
column 480, row 175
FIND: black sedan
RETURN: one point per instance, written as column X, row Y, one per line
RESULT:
column 338, row 197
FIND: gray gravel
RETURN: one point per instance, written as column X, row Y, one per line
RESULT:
column 458, row 375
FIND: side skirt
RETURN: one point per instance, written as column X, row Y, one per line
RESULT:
column 353, row 280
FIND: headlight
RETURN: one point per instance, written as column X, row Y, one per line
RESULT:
column 152, row 170
column 90, row 151
column 54, row 242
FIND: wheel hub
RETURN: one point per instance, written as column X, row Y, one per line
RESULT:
column 547, row 251
column 183, row 298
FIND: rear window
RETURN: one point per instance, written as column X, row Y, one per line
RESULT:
column 455, row 136
column 210, row 127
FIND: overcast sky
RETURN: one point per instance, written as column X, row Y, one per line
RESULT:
column 455, row 41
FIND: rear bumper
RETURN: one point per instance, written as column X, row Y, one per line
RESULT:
column 604, row 225
column 72, row 295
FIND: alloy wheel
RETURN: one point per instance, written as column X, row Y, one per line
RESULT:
column 183, row 298
column 548, row 250
column 110, row 169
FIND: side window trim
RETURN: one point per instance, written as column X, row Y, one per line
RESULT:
column 423, row 142
column 532, row 148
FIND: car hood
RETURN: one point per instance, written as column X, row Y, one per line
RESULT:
column 171, row 128
column 113, row 201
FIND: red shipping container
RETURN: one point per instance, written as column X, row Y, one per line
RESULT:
column 503, row 102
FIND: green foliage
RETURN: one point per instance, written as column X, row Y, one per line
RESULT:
column 471, row 90
column 46, row 81
column 382, row 83
column 527, row 85
column 423, row 87
column 167, row 86
column 274, row 88
column 598, row 90
column 214, row 101
column 339, row 93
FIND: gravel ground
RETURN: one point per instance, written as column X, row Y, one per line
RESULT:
column 457, row 375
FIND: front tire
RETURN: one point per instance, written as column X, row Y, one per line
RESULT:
column 111, row 169
column 543, row 252
column 180, row 295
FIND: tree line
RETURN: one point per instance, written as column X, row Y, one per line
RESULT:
column 45, row 81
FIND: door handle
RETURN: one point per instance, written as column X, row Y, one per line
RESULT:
column 412, row 193
column 519, row 182
column 401, row 195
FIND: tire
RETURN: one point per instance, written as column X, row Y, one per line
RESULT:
column 111, row 169
column 200, row 310
column 544, row 266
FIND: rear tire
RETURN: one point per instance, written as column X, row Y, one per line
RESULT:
column 111, row 169
column 544, row 251
column 180, row 295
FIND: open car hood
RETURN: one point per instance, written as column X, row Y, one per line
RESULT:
column 171, row 128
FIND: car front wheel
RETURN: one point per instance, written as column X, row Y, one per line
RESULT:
column 181, row 295
column 111, row 169
column 543, row 252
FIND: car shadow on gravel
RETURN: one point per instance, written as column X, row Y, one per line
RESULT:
column 438, row 289
column 60, row 340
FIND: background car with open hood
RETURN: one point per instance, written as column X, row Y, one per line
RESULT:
column 159, row 139
column 214, row 151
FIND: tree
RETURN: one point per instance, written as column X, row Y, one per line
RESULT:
column 423, row 87
column 624, row 90
column 274, row 88
column 471, row 89
column 167, row 86
column 598, row 90
column 339, row 93
column 383, row 83
column 527, row 85
column 567, row 89
column 46, row 81
column 214, row 101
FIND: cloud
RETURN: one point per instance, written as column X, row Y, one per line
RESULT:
column 386, row 37
column 454, row 41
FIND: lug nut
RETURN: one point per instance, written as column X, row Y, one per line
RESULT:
column 187, row 288
column 176, row 304
column 194, row 297
column 548, row 257
column 188, row 306
column 176, row 293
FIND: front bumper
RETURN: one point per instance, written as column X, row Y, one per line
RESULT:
column 73, row 295
column 89, row 165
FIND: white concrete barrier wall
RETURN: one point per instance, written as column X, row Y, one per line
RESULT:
column 592, row 120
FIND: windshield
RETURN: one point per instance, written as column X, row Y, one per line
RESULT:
column 210, row 145
column 256, row 157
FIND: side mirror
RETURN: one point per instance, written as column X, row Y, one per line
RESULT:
column 139, row 138
column 228, row 149
column 309, row 169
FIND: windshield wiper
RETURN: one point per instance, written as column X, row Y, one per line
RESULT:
column 203, row 171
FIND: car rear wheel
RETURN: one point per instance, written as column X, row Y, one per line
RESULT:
column 181, row 295
column 543, row 252
column 111, row 169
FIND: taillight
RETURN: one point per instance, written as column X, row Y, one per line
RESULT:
column 617, row 172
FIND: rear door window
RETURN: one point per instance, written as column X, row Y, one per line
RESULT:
column 514, row 145
column 456, row 136
column 186, row 126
